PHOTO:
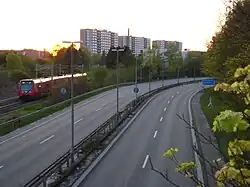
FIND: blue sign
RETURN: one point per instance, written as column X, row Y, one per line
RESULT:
column 208, row 82
column 63, row 91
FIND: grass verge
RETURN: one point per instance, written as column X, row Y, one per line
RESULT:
column 220, row 101
column 36, row 112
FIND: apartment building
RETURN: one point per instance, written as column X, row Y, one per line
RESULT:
column 123, row 41
column 163, row 45
column 136, row 44
column 98, row 41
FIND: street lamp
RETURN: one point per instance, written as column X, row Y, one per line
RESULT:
column 72, row 98
column 117, row 50
column 136, row 85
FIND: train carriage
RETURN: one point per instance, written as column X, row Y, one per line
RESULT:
column 30, row 89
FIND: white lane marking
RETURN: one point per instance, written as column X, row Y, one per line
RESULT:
column 161, row 119
column 165, row 109
column 52, row 136
column 78, row 120
column 1, row 166
column 57, row 116
column 155, row 134
column 98, row 109
column 168, row 101
column 172, row 97
column 145, row 162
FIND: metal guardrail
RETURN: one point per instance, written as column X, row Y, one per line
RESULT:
column 15, row 123
column 63, row 166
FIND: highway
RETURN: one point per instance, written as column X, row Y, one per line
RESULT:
column 154, row 131
column 27, row 151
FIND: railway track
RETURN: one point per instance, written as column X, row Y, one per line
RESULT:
column 8, row 108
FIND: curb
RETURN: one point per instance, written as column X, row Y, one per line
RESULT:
column 200, row 175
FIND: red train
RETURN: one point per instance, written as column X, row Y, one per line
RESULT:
column 29, row 89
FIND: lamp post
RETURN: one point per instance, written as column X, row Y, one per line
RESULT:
column 117, row 50
column 136, row 75
column 72, row 98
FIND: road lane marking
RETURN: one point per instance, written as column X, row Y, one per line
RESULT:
column 1, row 166
column 51, row 119
column 155, row 134
column 78, row 120
column 161, row 119
column 168, row 101
column 98, row 109
column 165, row 109
column 145, row 162
column 52, row 136
column 172, row 97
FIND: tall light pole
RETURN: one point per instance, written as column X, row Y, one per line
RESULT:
column 149, row 74
column 163, row 64
column 178, row 74
column 136, row 75
column 117, row 50
column 72, row 98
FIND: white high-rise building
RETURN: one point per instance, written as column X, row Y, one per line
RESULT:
column 163, row 45
column 98, row 41
column 136, row 44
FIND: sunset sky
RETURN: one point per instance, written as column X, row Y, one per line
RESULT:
column 41, row 24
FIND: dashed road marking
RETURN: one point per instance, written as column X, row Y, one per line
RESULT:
column 145, row 161
column 172, row 97
column 161, row 119
column 165, row 109
column 1, row 166
column 78, row 120
column 47, row 139
column 168, row 101
column 98, row 109
column 155, row 134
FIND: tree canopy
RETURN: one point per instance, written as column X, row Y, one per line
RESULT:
column 230, row 47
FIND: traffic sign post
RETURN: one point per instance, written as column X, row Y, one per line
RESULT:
column 63, row 92
column 208, row 83
column 136, row 90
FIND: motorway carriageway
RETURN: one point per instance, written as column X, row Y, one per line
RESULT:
column 153, row 132
column 27, row 151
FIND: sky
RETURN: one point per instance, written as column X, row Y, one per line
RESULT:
column 40, row 24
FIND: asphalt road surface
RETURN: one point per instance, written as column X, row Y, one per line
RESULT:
column 27, row 151
column 154, row 131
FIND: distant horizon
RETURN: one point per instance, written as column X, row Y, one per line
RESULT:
column 192, row 22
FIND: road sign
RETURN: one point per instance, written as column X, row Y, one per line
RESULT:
column 136, row 90
column 63, row 91
column 208, row 82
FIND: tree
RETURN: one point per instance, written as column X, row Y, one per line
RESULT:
column 194, row 61
column 231, row 42
column 103, row 58
column 111, row 58
column 14, row 62
column 100, row 75
column 96, row 59
column 85, row 57
column 3, row 59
